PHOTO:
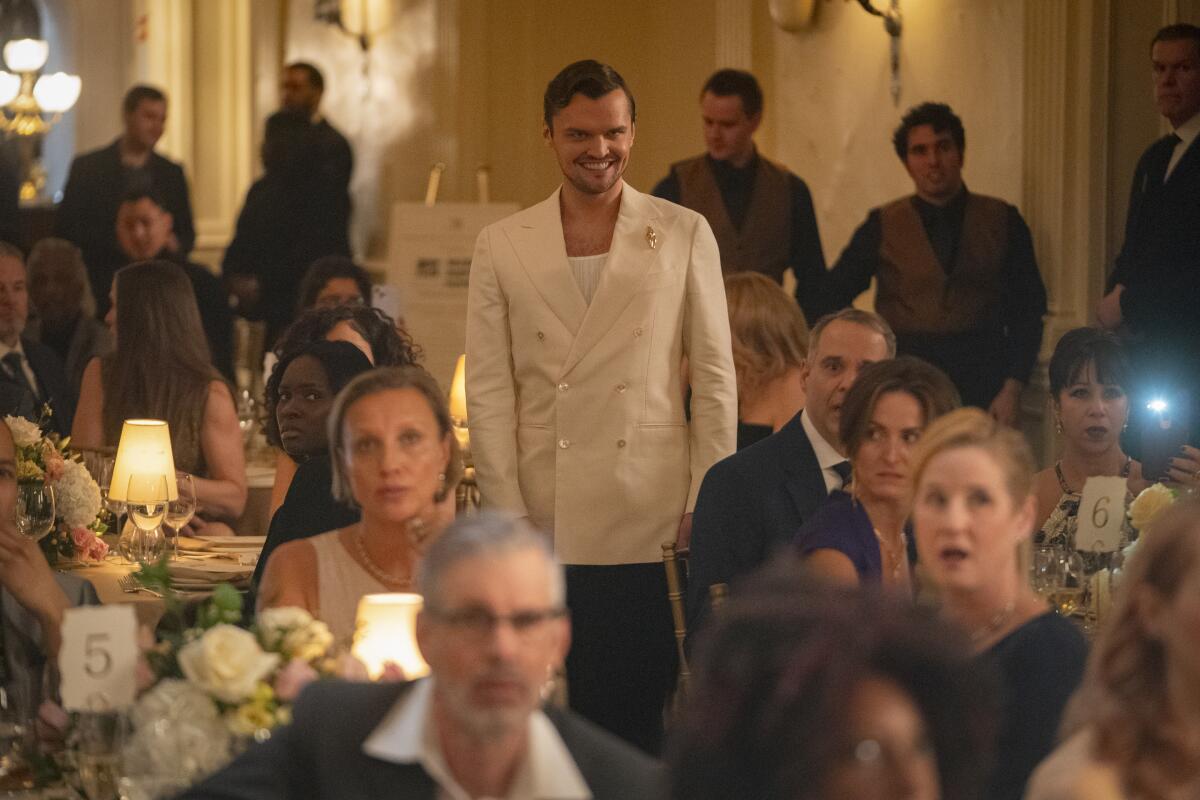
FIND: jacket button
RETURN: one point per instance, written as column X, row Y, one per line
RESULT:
column 541, row 336
column 621, row 388
column 562, row 387
column 563, row 444
column 637, row 331
column 620, row 442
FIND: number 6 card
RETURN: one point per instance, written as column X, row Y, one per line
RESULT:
column 1101, row 512
column 98, row 658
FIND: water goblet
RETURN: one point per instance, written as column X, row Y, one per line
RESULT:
column 181, row 510
column 146, row 501
column 35, row 510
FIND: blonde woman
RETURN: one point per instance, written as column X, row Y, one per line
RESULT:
column 973, row 507
column 770, row 341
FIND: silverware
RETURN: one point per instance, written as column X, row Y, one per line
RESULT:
column 130, row 585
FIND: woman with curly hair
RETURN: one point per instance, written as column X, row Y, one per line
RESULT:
column 806, row 691
column 770, row 340
column 1135, row 723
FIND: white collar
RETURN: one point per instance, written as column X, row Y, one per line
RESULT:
column 18, row 348
column 827, row 455
column 407, row 736
column 1188, row 131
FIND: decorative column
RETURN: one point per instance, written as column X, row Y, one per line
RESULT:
column 734, row 20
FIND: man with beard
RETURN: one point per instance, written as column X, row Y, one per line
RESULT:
column 582, row 314
column 494, row 630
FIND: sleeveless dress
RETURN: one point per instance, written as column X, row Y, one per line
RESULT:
column 1060, row 527
column 341, row 583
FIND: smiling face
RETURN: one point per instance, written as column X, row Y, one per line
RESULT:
column 889, row 755
column 591, row 140
column 966, row 521
column 934, row 163
column 1092, row 413
column 882, row 463
column 1176, row 66
column 728, row 131
column 394, row 455
column 843, row 348
column 303, row 407
column 489, row 672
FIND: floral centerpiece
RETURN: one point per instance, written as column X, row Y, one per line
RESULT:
column 210, row 688
column 48, row 459
column 1150, row 503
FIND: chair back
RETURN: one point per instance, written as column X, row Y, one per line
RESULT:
column 671, row 561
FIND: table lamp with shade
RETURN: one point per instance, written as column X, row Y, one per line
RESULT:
column 385, row 630
column 144, row 450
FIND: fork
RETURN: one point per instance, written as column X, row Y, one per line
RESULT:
column 130, row 585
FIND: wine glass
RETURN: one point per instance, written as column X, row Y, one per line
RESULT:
column 146, row 502
column 17, row 738
column 181, row 510
column 96, row 740
column 1059, row 577
column 35, row 510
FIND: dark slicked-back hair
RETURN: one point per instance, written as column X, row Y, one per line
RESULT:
column 939, row 116
column 315, row 78
column 589, row 78
column 766, row 717
column 1178, row 32
column 729, row 82
column 1082, row 346
column 136, row 94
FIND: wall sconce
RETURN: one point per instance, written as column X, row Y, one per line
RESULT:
column 25, row 99
column 362, row 19
column 458, row 408
column 893, row 24
column 385, row 630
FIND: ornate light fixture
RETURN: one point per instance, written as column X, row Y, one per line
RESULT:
column 893, row 24
column 26, row 97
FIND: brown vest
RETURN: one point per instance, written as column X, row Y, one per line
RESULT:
column 915, row 293
column 764, row 242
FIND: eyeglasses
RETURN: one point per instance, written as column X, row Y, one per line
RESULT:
column 480, row 623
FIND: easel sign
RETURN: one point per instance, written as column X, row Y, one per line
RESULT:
column 98, row 658
column 1101, row 514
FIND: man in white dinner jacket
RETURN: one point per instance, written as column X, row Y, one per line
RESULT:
column 590, row 315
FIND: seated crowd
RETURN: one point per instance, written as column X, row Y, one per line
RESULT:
column 872, row 528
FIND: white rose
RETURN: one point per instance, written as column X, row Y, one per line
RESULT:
column 1153, row 500
column 293, row 632
column 24, row 432
column 226, row 662
column 76, row 496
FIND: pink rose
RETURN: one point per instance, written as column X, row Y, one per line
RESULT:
column 81, row 537
column 54, row 463
column 97, row 549
column 294, row 676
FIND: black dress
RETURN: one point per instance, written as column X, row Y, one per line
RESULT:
column 1040, row 665
column 308, row 509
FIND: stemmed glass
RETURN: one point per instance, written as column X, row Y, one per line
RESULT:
column 1058, row 575
column 17, row 738
column 35, row 510
column 146, row 501
column 104, row 481
column 181, row 510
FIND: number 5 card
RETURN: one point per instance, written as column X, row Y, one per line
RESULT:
column 98, row 658
column 1101, row 512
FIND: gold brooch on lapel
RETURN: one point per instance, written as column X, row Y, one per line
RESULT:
column 651, row 237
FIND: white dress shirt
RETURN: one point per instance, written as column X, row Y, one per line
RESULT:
column 587, row 271
column 827, row 455
column 407, row 736
column 1187, row 133
column 25, row 367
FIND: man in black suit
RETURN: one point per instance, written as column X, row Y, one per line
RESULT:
column 100, row 179
column 31, row 375
column 494, row 630
column 753, row 502
column 144, row 232
column 301, row 90
column 1154, row 288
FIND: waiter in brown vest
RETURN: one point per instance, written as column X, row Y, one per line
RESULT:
column 761, row 214
column 957, row 277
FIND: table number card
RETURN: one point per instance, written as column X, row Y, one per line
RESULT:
column 1101, row 512
column 98, row 658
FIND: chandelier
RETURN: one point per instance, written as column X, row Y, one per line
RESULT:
column 33, row 104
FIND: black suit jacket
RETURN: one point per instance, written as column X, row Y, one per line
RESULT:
column 750, row 504
column 1159, row 262
column 87, row 214
column 320, row 755
column 52, row 383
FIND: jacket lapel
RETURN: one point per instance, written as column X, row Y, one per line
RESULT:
column 630, row 259
column 805, row 482
column 537, row 238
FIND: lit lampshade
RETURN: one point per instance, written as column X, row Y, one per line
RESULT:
column 144, row 449
column 458, row 392
column 10, row 85
column 58, row 92
column 366, row 18
column 386, row 630
column 26, row 55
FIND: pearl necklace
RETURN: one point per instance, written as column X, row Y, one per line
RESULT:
column 376, row 572
column 889, row 554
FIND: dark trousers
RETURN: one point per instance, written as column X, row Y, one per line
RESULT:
column 622, row 665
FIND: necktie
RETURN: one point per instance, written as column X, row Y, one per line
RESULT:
column 13, row 362
column 842, row 468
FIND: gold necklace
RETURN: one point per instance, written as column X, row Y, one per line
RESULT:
column 889, row 554
column 376, row 572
